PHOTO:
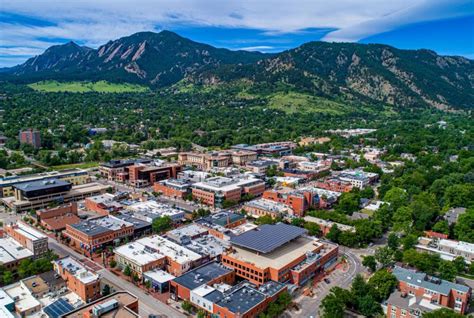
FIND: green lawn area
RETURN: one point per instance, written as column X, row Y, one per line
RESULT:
column 293, row 102
column 83, row 165
column 85, row 87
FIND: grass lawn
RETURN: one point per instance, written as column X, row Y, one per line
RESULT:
column 293, row 102
column 83, row 165
column 86, row 87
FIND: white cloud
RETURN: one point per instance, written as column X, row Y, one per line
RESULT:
column 257, row 48
column 94, row 22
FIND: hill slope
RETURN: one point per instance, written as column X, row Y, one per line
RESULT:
column 371, row 74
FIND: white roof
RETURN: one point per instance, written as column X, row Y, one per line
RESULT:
column 170, row 249
column 138, row 253
column 29, row 232
column 77, row 269
column 269, row 205
column 154, row 207
column 225, row 184
column 203, row 290
column 374, row 206
column 159, row 276
column 11, row 250
column 458, row 245
column 24, row 298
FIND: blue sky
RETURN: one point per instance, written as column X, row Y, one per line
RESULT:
column 28, row 27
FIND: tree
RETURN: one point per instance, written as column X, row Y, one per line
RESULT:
column 135, row 277
column 442, row 313
column 464, row 227
column 313, row 229
column 393, row 241
column 106, row 290
column 447, row 270
column 370, row 262
column 397, row 198
column 441, row 227
column 382, row 284
column 368, row 307
column 403, row 219
column 127, row 271
column 228, row 203
column 334, row 304
column 187, row 306
column 162, row 224
column 7, row 277
column 359, row 286
column 384, row 255
column 348, row 203
column 265, row 219
column 333, row 234
column 148, row 284
column 297, row 222
column 460, row 264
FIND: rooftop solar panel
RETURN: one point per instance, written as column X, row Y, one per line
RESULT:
column 58, row 308
column 267, row 237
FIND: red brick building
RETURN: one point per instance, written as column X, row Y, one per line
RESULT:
column 173, row 188
column 31, row 137
column 55, row 219
column 425, row 293
column 334, row 185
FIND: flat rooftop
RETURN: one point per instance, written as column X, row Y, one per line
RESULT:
column 279, row 257
column 159, row 275
column 41, row 185
column 138, row 253
column 77, row 269
column 153, row 207
column 11, row 250
column 202, row 275
column 24, row 300
column 268, row 205
column 225, row 184
column 8, row 181
column 124, row 299
column 241, row 298
column 268, row 237
column 101, row 225
column 29, row 232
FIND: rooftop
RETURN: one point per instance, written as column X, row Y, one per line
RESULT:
column 269, row 205
column 29, row 232
column 154, row 209
column 24, row 300
column 279, row 257
column 268, row 237
column 429, row 282
column 241, row 298
column 8, row 181
column 326, row 223
column 77, row 269
column 222, row 218
column 202, row 275
column 224, row 184
column 41, row 184
column 139, row 253
column 159, row 275
column 101, row 225
column 11, row 250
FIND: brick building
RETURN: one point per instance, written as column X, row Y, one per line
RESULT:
column 173, row 188
column 55, row 219
column 103, row 204
column 31, row 137
column 334, row 184
column 280, row 252
column 79, row 279
column 425, row 293
column 214, row 191
column 261, row 207
column 28, row 237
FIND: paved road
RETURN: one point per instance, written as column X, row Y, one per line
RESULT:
column 310, row 306
column 148, row 305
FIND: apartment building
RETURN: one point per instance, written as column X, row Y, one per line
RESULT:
column 428, row 292
column 74, row 176
column 28, row 237
column 214, row 191
column 31, row 137
column 279, row 252
column 79, row 279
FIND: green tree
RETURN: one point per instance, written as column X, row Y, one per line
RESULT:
column 297, row 222
column 162, row 224
column 370, row 262
column 187, row 306
column 397, row 197
column 447, row 270
column 403, row 219
column 333, row 234
column 348, row 203
column 7, row 277
column 265, row 219
column 382, row 284
column 464, row 227
column 441, row 227
column 106, row 290
column 384, row 255
column 460, row 264
column 368, row 307
column 334, row 304
column 127, row 271
column 442, row 313
column 313, row 229
column 393, row 241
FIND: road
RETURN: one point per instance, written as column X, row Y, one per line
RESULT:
column 147, row 304
column 310, row 306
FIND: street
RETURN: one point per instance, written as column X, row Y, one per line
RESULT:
column 147, row 304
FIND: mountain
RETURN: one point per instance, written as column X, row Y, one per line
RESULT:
column 151, row 58
column 373, row 72
column 368, row 73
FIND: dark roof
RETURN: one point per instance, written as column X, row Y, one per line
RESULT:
column 52, row 278
column 41, row 184
column 222, row 218
column 123, row 163
column 201, row 275
column 241, row 299
column 90, row 228
column 268, row 237
column 58, row 308
column 425, row 281
column 137, row 223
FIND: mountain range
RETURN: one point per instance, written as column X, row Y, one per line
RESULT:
column 371, row 73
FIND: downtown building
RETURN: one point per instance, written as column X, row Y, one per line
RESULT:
column 28, row 237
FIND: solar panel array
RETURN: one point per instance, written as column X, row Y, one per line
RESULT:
column 268, row 237
column 58, row 308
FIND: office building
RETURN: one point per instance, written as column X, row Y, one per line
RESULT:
column 74, row 176
column 279, row 252
column 214, row 191
column 221, row 159
column 173, row 188
column 117, row 170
